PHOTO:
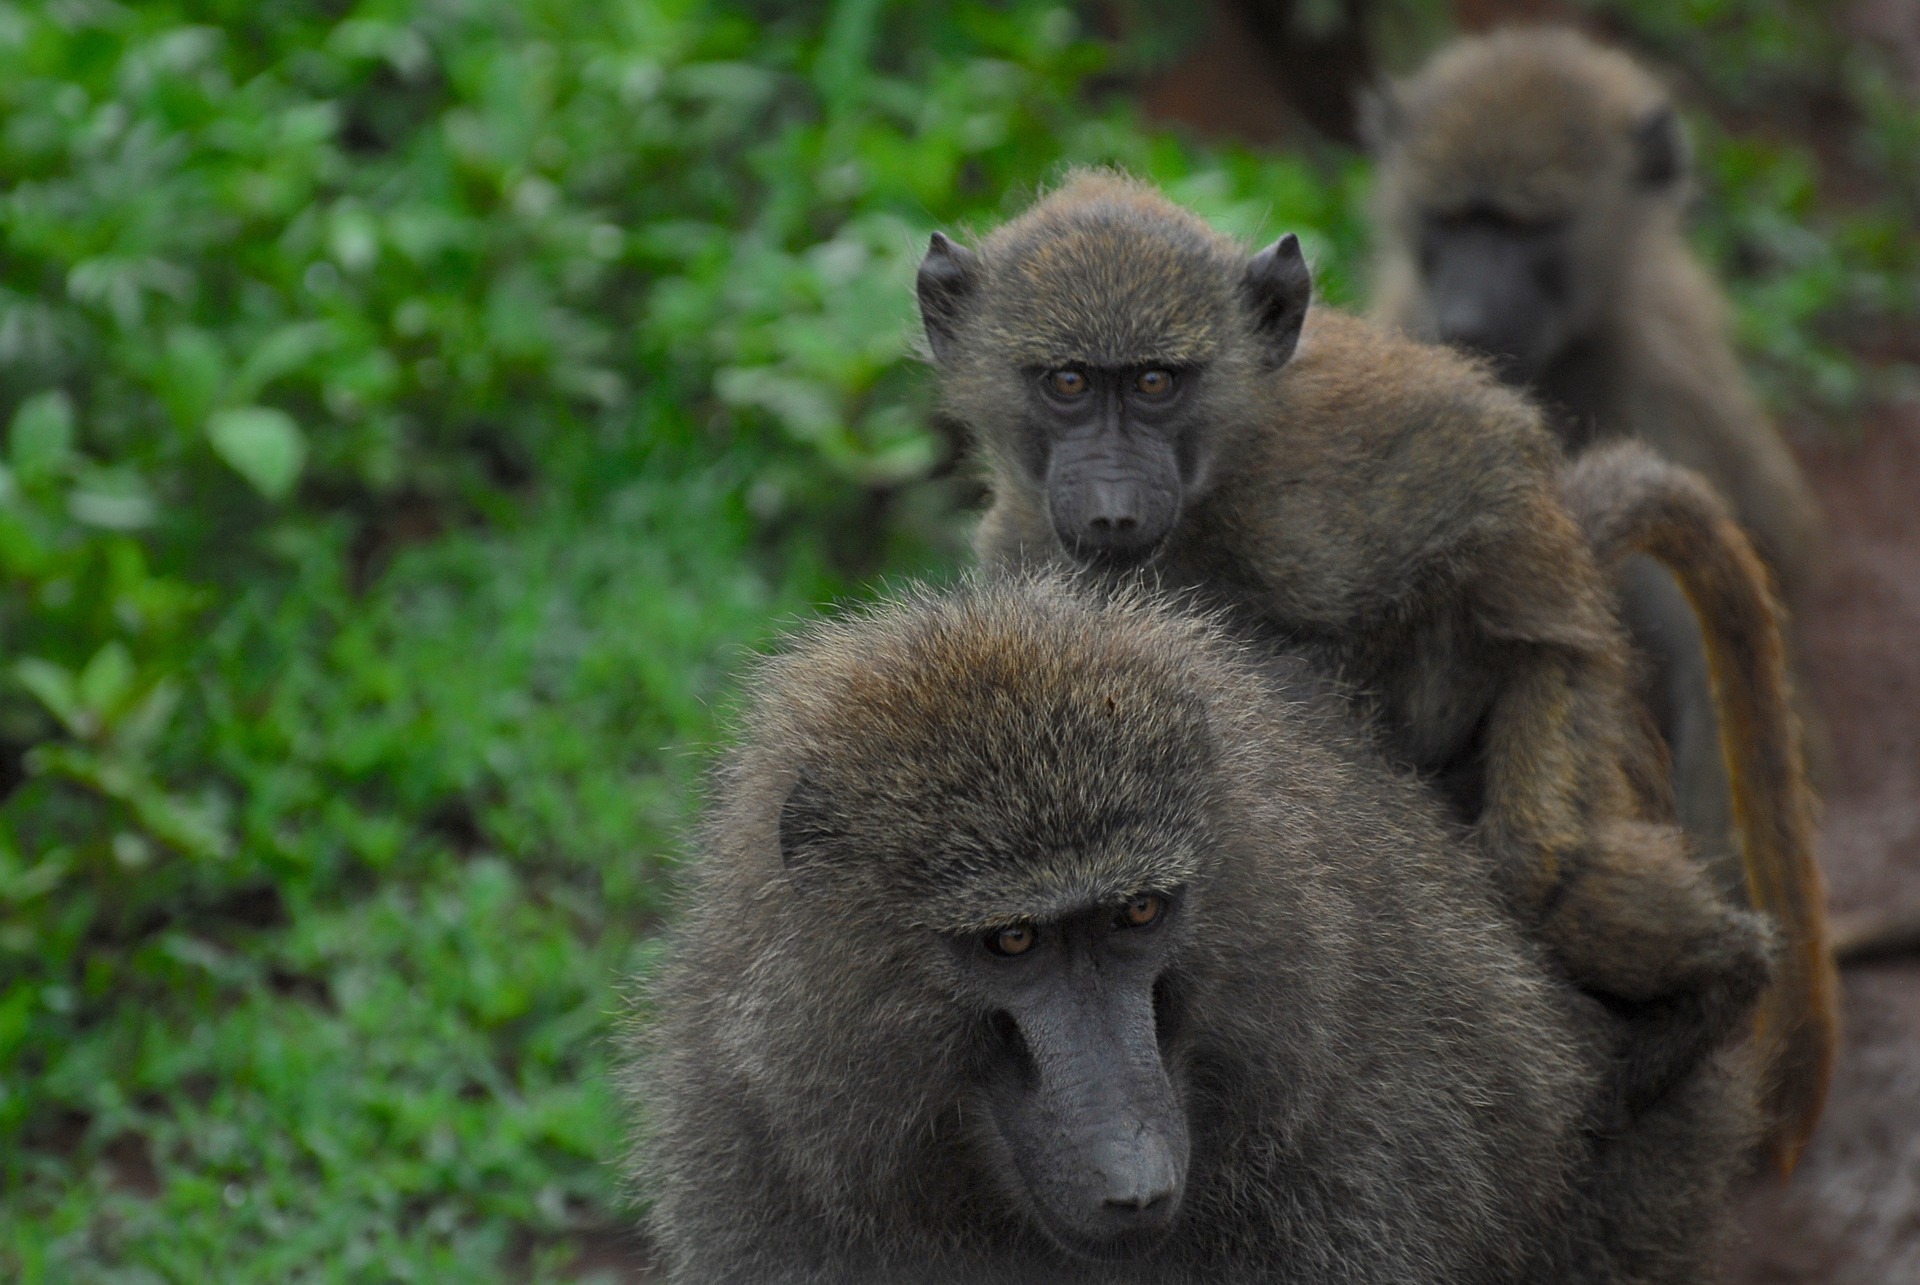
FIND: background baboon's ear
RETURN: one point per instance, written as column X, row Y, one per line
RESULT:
column 1660, row 147
column 947, row 279
column 805, row 823
column 1278, row 288
column 1381, row 118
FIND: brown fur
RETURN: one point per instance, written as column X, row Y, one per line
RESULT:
column 1630, row 501
column 1387, row 506
column 1382, row 1081
column 1545, row 127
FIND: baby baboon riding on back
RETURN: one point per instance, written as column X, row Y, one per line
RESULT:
column 1132, row 378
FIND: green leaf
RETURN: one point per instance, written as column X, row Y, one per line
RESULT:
column 191, row 375
column 262, row 444
column 138, row 725
column 55, row 688
column 187, row 827
column 16, row 1017
column 280, row 353
column 41, row 437
column 107, row 679
column 113, row 499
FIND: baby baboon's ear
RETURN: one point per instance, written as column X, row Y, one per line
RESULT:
column 948, row 277
column 1278, row 288
column 1660, row 148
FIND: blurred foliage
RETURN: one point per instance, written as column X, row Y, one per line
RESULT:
column 1814, row 288
column 1811, row 189
column 413, row 412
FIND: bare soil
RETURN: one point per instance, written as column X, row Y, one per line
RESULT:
column 1851, row 1213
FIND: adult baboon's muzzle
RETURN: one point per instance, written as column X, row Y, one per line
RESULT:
column 1097, row 1132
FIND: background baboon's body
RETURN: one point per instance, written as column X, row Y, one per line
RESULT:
column 1495, row 122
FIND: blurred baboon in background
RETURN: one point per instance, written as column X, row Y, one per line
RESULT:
column 1131, row 376
column 1035, row 937
column 1528, row 206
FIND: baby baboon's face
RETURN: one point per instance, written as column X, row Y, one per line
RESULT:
column 1100, row 346
column 1114, row 440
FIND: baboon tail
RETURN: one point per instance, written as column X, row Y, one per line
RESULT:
column 1629, row 500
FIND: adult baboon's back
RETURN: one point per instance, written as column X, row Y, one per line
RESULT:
column 1346, row 1062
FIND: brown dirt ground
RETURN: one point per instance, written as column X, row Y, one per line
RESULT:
column 1851, row 1213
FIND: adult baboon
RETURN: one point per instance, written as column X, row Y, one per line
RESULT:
column 1528, row 206
column 1131, row 377
column 1039, row 938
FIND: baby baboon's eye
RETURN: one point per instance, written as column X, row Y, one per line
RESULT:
column 1141, row 911
column 1154, row 383
column 1017, row 939
column 1067, row 383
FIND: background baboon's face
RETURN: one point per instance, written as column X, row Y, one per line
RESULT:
column 1088, row 1126
column 1502, row 287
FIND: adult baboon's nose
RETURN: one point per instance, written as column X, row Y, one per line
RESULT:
column 1142, row 1178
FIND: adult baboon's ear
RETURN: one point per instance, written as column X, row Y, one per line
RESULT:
column 1278, row 288
column 805, row 824
column 1660, row 148
column 1380, row 117
column 948, row 277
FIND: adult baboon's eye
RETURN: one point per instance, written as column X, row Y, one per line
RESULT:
column 1067, row 383
column 1141, row 911
column 1154, row 383
column 1017, row 939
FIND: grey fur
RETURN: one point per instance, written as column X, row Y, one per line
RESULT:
column 1384, row 1082
column 1391, row 508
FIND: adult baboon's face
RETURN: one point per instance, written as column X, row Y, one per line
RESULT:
column 1086, row 1120
column 1518, row 195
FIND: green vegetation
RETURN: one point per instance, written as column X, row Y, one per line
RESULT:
column 1815, row 277
column 415, row 412
column 413, row 419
